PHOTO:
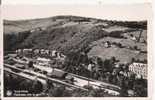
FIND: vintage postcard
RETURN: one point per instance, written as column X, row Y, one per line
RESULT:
column 80, row 51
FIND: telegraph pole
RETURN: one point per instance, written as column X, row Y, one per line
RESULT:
column 140, row 35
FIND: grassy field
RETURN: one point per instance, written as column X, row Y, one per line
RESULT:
column 74, row 33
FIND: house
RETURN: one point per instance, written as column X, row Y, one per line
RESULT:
column 134, row 38
column 53, row 54
column 36, row 51
column 43, row 61
column 33, row 30
column 12, row 55
column 19, row 51
column 90, row 67
column 25, row 51
column 139, row 69
column 47, row 52
column 107, row 44
column 42, row 51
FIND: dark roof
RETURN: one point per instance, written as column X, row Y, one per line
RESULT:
column 58, row 74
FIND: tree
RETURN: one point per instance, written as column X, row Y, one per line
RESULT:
column 57, row 91
column 108, row 65
column 140, row 88
column 113, row 59
column 99, row 62
column 132, row 60
column 37, row 87
column 135, row 47
column 119, row 45
column 30, row 64
column 123, row 92
column 145, row 61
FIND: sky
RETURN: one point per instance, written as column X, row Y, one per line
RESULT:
column 129, row 12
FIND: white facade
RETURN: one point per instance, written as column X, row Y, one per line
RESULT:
column 139, row 69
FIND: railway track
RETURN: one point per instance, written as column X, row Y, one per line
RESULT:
column 31, row 75
column 80, row 80
column 103, row 84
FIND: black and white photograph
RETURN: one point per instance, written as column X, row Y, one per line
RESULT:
column 88, row 51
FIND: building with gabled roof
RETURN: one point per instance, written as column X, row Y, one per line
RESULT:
column 139, row 69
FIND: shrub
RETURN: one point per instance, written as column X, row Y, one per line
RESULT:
column 135, row 47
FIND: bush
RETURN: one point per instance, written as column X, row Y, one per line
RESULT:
column 108, row 66
column 99, row 62
column 135, row 47
column 145, row 61
column 116, row 34
column 56, row 91
column 120, row 45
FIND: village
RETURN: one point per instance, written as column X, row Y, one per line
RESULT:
column 73, row 56
column 50, row 69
